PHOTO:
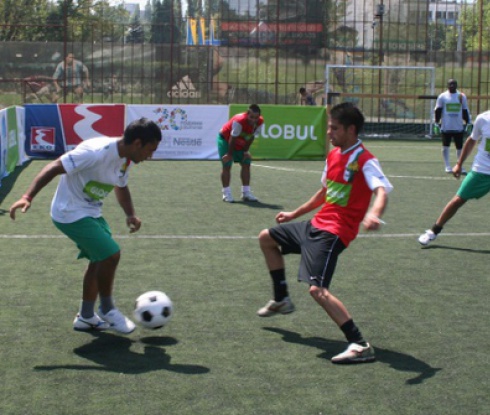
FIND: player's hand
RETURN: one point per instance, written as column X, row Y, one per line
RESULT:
column 468, row 129
column 372, row 222
column 457, row 170
column 247, row 155
column 226, row 158
column 436, row 129
column 23, row 204
column 133, row 223
column 283, row 217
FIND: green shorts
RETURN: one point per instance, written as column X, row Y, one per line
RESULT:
column 474, row 186
column 237, row 154
column 92, row 236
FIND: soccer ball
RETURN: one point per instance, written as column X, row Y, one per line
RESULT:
column 153, row 309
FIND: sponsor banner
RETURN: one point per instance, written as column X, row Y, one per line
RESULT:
column 3, row 143
column 289, row 132
column 43, row 132
column 85, row 121
column 188, row 131
column 12, row 154
column 21, row 136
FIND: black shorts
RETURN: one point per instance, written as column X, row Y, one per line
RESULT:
column 451, row 135
column 319, row 250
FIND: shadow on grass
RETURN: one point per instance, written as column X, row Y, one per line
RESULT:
column 454, row 248
column 8, row 183
column 398, row 361
column 112, row 354
column 258, row 205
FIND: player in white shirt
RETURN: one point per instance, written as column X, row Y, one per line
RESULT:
column 452, row 109
column 88, row 174
column 477, row 182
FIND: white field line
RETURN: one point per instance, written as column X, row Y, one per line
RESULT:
column 241, row 237
column 319, row 172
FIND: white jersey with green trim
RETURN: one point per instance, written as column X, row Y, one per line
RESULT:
column 452, row 111
column 481, row 132
column 93, row 168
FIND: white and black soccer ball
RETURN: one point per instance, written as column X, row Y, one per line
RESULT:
column 153, row 309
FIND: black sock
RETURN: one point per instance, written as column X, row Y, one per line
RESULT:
column 352, row 333
column 436, row 229
column 279, row 284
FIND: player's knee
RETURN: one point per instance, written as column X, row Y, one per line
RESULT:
column 264, row 237
column 318, row 293
column 113, row 260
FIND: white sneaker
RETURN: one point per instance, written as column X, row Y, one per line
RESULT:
column 118, row 321
column 449, row 170
column 227, row 197
column 88, row 324
column 249, row 197
column 276, row 307
column 427, row 237
column 355, row 353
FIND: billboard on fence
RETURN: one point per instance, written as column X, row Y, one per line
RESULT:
column 188, row 131
column 44, row 135
column 289, row 132
column 11, row 140
column 12, row 155
column 82, row 122
column 53, row 129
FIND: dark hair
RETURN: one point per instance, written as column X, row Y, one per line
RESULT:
column 301, row 90
column 144, row 129
column 254, row 108
column 347, row 114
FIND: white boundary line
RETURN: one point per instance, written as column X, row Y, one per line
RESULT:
column 239, row 237
column 319, row 172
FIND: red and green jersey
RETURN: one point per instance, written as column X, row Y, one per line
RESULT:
column 246, row 132
column 348, row 195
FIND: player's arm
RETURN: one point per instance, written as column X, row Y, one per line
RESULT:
column 438, row 115
column 315, row 201
column 123, row 196
column 372, row 220
column 468, row 147
column 48, row 173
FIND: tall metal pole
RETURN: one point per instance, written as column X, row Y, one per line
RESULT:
column 480, row 56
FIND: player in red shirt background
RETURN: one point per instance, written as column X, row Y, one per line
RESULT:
column 234, row 141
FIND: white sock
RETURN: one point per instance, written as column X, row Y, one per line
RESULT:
column 245, row 189
column 226, row 190
column 445, row 156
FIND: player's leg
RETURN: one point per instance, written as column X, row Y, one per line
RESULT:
column 474, row 186
column 245, row 175
column 446, row 143
column 274, row 243
column 458, row 143
column 94, row 239
column 78, row 94
column 225, row 170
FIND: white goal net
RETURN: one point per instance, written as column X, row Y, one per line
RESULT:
column 397, row 101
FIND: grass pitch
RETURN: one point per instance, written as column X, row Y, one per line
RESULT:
column 425, row 310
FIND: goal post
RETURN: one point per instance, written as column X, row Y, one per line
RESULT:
column 397, row 101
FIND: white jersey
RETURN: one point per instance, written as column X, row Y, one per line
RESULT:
column 93, row 168
column 481, row 131
column 452, row 111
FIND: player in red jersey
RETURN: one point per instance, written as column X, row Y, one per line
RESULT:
column 234, row 141
column 350, row 178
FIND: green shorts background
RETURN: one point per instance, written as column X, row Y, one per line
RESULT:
column 92, row 236
column 474, row 186
column 237, row 154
